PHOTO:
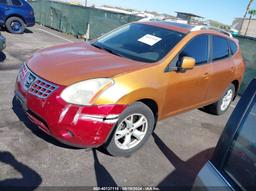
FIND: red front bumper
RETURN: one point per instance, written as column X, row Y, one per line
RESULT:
column 82, row 126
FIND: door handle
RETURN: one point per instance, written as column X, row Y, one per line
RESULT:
column 7, row 8
column 206, row 75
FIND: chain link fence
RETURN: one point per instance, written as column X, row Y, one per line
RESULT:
column 78, row 20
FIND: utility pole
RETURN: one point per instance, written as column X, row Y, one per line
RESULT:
column 247, row 9
column 85, row 3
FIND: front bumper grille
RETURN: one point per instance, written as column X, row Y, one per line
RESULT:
column 41, row 88
column 35, row 85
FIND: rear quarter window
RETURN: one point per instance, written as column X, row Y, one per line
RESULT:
column 220, row 48
column 233, row 47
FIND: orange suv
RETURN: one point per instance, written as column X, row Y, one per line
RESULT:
column 111, row 91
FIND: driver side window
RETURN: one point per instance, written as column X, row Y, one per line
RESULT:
column 197, row 48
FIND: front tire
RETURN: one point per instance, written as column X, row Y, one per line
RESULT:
column 221, row 106
column 133, row 129
column 15, row 25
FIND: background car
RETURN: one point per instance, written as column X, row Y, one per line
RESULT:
column 16, row 15
column 233, row 165
column 2, row 42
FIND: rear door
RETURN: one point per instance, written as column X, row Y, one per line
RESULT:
column 222, row 67
column 4, row 6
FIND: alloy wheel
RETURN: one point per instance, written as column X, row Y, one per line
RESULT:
column 131, row 131
column 226, row 100
column 16, row 26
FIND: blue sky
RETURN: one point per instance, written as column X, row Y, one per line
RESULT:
column 221, row 10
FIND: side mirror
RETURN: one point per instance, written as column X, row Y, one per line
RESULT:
column 188, row 63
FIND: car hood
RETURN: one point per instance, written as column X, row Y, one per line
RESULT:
column 71, row 63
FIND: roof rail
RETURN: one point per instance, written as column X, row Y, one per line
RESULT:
column 204, row 27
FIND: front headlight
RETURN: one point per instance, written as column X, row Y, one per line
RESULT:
column 83, row 93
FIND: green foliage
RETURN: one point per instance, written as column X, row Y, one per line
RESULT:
column 252, row 12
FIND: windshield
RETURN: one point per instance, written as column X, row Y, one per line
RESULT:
column 140, row 42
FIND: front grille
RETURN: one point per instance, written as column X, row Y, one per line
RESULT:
column 41, row 88
column 34, row 84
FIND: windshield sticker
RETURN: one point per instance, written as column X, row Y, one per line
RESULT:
column 149, row 39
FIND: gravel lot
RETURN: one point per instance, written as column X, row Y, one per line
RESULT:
column 28, row 157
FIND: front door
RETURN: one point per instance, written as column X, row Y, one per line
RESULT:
column 188, row 90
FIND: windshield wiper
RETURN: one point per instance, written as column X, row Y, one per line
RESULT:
column 107, row 50
column 97, row 46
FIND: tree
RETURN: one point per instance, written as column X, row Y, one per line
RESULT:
column 252, row 13
column 245, row 14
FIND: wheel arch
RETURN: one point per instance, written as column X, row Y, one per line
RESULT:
column 151, row 104
column 236, row 83
column 15, row 15
column 148, row 96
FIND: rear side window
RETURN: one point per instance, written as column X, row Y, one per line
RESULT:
column 233, row 47
column 197, row 48
column 220, row 48
column 16, row 3
column 3, row 2
column 241, row 162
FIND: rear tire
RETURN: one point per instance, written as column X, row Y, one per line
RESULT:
column 15, row 25
column 221, row 106
column 132, row 130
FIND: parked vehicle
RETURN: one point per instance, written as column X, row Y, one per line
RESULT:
column 16, row 15
column 2, row 42
column 113, row 90
column 233, row 165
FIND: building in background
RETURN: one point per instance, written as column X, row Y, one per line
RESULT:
column 248, row 28
column 189, row 18
column 75, row 2
column 145, row 15
column 217, row 24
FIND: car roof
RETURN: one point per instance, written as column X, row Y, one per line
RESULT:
column 182, row 28
column 186, row 28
